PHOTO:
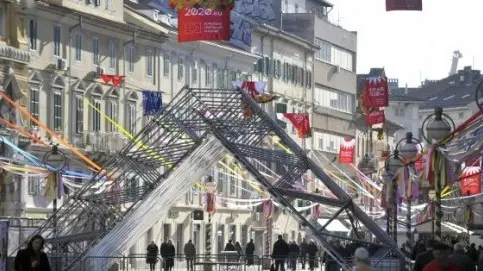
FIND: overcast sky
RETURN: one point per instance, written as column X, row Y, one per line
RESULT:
column 414, row 45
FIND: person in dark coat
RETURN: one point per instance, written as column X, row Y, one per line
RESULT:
column 280, row 253
column 32, row 258
column 303, row 252
column 294, row 252
column 239, row 250
column 473, row 253
column 231, row 248
column 168, row 252
column 424, row 258
column 249, row 252
column 463, row 261
column 312, row 252
column 190, row 253
column 152, row 255
column 441, row 260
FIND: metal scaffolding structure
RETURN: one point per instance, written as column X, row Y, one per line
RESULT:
column 141, row 166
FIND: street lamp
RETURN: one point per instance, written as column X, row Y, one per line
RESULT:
column 393, row 163
column 410, row 149
column 437, row 127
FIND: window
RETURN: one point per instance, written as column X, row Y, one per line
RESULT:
column 33, row 34
column 334, row 55
column 34, row 103
column 112, row 55
column 96, row 116
column 334, row 99
column 58, row 106
column 95, row 51
column 78, row 46
column 57, row 40
column 232, row 186
column 131, row 55
column 281, row 108
column 180, row 68
column 166, row 64
column 149, row 62
column 2, row 22
column 33, row 185
column 113, row 113
column 109, row 4
column 131, row 118
column 208, row 75
column 258, row 67
column 226, row 81
column 97, row 3
column 194, row 73
column 266, row 66
column 79, row 115
column 219, row 78
column 399, row 111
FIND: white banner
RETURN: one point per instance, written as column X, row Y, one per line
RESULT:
column 4, row 225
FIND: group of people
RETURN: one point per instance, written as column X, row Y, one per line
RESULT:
column 167, row 252
column 290, row 252
column 436, row 256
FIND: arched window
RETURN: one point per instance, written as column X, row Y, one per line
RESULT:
column 96, row 97
column 112, row 105
column 35, row 85
column 131, row 112
column 57, row 98
column 79, row 92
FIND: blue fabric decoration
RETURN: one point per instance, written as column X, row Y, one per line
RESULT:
column 152, row 102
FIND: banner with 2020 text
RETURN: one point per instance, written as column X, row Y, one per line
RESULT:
column 195, row 24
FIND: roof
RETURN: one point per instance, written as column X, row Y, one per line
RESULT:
column 458, row 95
column 324, row 3
column 404, row 98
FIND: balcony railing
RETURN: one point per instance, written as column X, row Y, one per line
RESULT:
column 103, row 142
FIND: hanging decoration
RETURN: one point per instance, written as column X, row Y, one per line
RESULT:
column 54, row 188
column 209, row 4
column 394, row 5
column 346, row 151
column 316, row 212
column 116, row 80
column 436, row 160
column 152, row 102
column 470, row 181
column 210, row 198
column 375, row 116
column 300, row 121
column 197, row 23
column 256, row 91
column 268, row 208
column 376, row 92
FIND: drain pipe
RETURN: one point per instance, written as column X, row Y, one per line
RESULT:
column 133, row 42
column 69, row 71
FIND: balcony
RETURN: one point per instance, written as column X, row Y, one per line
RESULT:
column 14, row 54
column 103, row 142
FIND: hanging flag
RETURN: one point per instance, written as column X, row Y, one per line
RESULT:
column 265, row 98
column 470, row 181
column 152, row 102
column 54, row 188
column 117, row 80
column 254, row 88
column 316, row 211
column 375, row 117
column 195, row 24
column 392, row 5
column 106, row 78
column 346, row 151
column 210, row 206
column 268, row 208
column 376, row 92
column 300, row 121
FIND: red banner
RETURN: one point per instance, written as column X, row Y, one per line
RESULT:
column 404, row 5
column 470, row 181
column 203, row 24
column 301, row 123
column 376, row 93
column 375, row 117
column 346, row 152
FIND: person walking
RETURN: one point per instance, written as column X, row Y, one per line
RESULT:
column 442, row 261
column 463, row 261
column 190, row 254
column 152, row 255
column 32, row 258
column 312, row 250
column 168, row 252
column 293, row 255
column 249, row 252
column 424, row 258
column 280, row 253
column 239, row 250
column 362, row 260
column 303, row 252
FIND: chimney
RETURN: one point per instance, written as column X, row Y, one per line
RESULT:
column 468, row 74
column 406, row 89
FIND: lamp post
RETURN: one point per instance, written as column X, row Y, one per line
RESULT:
column 409, row 148
column 393, row 163
column 435, row 128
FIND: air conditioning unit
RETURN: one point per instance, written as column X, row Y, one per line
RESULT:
column 156, row 15
column 99, row 70
column 61, row 64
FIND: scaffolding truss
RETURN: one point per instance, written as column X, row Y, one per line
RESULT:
column 143, row 164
